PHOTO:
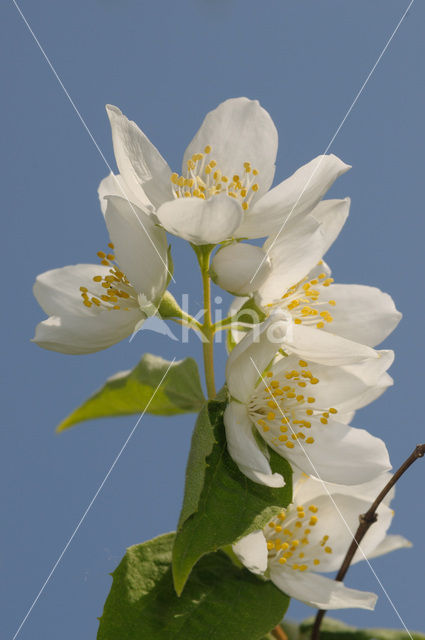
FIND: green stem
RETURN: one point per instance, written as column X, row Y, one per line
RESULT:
column 204, row 254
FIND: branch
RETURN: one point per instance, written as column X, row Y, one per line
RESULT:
column 279, row 633
column 366, row 521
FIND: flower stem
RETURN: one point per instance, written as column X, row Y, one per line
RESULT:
column 366, row 521
column 204, row 254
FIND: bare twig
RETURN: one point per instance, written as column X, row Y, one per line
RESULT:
column 366, row 521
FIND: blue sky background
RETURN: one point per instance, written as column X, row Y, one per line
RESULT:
column 165, row 65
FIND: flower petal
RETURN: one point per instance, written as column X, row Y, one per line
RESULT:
column 114, row 185
column 293, row 197
column 76, row 334
column 243, row 447
column 239, row 130
column 140, row 247
column 332, row 214
column 319, row 591
column 240, row 268
column 138, row 161
column 388, row 544
column 296, row 251
column 361, row 313
column 201, row 221
column 340, row 454
column 251, row 356
column 252, row 552
column 325, row 348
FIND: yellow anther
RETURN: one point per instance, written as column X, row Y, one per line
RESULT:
column 328, row 549
column 255, row 187
column 282, row 515
column 282, row 560
column 278, row 528
column 310, row 399
column 83, row 289
column 255, row 172
column 274, row 384
column 245, row 206
column 298, row 524
column 101, row 254
column 283, row 428
column 301, row 514
column 313, row 508
column 323, row 421
column 174, row 178
column 307, row 531
column 271, row 415
column 301, row 555
column 207, row 149
column 309, row 440
column 309, row 412
column 270, row 545
column 332, row 302
column 300, row 398
column 271, row 525
column 313, row 520
column 272, row 404
column 316, row 561
column 235, row 178
column 96, row 301
column 303, row 363
column 314, row 380
column 333, row 410
column 303, row 567
column 283, row 438
column 289, row 444
column 320, row 325
column 96, row 279
column 110, row 256
column 284, row 546
column 104, row 262
column 111, row 245
column 269, row 374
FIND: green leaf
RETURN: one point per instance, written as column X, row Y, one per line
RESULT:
column 332, row 629
column 220, row 505
column 155, row 385
column 220, row 601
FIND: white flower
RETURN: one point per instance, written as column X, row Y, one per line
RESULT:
column 300, row 404
column 313, row 535
column 91, row 307
column 228, row 168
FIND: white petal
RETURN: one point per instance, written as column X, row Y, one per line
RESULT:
column 238, row 130
column 298, row 248
column 252, row 552
column 325, row 348
column 243, row 447
column 74, row 334
column 332, row 214
column 240, row 268
column 138, row 161
column 251, row 356
column 140, row 247
column 390, row 543
column 363, row 314
column 295, row 196
column 58, row 291
column 339, row 454
column 201, row 221
column 114, row 185
column 321, row 592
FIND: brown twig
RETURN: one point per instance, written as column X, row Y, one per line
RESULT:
column 279, row 633
column 366, row 521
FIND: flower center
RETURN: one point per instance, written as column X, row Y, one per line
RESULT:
column 204, row 179
column 303, row 301
column 109, row 291
column 282, row 406
column 288, row 538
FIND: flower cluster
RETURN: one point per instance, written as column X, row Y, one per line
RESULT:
column 297, row 371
